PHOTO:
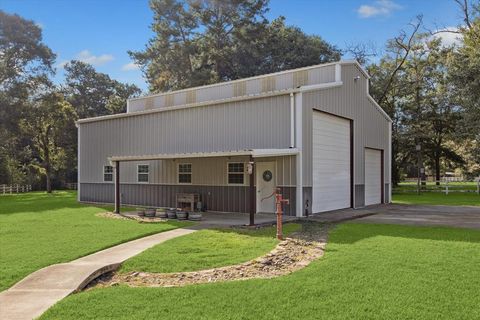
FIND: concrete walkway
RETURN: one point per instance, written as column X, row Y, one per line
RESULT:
column 37, row 292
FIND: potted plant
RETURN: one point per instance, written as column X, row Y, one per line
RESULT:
column 162, row 213
column 195, row 216
column 150, row 212
column 171, row 213
column 182, row 215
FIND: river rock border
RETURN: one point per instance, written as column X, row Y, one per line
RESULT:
column 290, row 255
column 111, row 215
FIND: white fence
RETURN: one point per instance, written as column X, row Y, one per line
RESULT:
column 442, row 186
column 14, row 188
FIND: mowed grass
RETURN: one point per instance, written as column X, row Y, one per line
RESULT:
column 411, row 186
column 429, row 198
column 368, row 272
column 38, row 229
column 207, row 249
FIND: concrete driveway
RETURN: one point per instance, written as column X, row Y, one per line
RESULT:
column 422, row 215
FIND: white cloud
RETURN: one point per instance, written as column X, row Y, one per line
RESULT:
column 379, row 8
column 87, row 57
column 449, row 37
column 130, row 66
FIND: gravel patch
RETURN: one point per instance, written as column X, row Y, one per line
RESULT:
column 112, row 215
column 292, row 254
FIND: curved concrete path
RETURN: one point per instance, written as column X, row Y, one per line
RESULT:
column 37, row 292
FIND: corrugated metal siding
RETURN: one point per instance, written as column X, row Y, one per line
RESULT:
column 359, row 195
column 230, row 126
column 205, row 171
column 249, row 86
column 349, row 101
column 214, row 198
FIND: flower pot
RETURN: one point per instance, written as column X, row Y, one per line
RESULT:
column 150, row 212
column 161, row 213
column 171, row 213
column 182, row 215
column 195, row 216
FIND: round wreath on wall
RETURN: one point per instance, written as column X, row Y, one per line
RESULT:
column 267, row 175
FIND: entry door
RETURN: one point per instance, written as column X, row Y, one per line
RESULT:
column 266, row 184
column 373, row 176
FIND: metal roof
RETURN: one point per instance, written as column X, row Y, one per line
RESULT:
column 255, row 153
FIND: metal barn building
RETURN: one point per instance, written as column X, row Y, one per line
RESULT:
column 314, row 132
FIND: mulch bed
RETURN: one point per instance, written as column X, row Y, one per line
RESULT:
column 292, row 254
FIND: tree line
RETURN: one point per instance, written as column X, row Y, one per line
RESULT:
column 432, row 93
column 430, row 90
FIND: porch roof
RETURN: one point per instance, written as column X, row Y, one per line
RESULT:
column 255, row 153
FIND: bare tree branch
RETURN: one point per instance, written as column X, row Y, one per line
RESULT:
column 400, row 41
column 464, row 7
column 362, row 52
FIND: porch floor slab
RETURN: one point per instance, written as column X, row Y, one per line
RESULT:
column 227, row 219
column 345, row 214
column 232, row 219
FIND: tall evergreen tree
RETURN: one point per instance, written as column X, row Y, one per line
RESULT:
column 200, row 42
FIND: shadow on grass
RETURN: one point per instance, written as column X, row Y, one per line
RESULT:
column 42, row 202
column 352, row 232
column 264, row 232
column 37, row 202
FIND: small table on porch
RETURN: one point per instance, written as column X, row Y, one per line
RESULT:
column 187, row 201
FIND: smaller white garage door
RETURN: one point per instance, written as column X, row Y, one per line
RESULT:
column 373, row 176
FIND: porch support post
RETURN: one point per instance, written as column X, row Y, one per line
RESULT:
column 117, row 186
column 253, row 198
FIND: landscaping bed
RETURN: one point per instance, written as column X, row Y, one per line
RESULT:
column 291, row 254
column 206, row 249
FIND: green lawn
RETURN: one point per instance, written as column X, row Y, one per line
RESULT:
column 452, row 199
column 368, row 272
column 37, row 230
column 411, row 186
column 207, row 249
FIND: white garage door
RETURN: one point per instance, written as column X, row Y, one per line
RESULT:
column 373, row 176
column 331, row 163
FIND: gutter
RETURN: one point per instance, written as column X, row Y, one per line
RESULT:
column 215, row 102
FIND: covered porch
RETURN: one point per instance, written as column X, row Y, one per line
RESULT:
column 237, row 181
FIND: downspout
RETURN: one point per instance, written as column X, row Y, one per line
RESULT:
column 389, row 162
column 299, row 158
column 292, row 120
column 78, row 161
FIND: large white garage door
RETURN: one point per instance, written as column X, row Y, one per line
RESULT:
column 373, row 176
column 331, row 162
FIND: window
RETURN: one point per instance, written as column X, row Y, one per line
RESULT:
column 236, row 172
column 184, row 173
column 142, row 172
column 107, row 173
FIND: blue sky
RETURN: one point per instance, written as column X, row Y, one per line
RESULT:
column 102, row 31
